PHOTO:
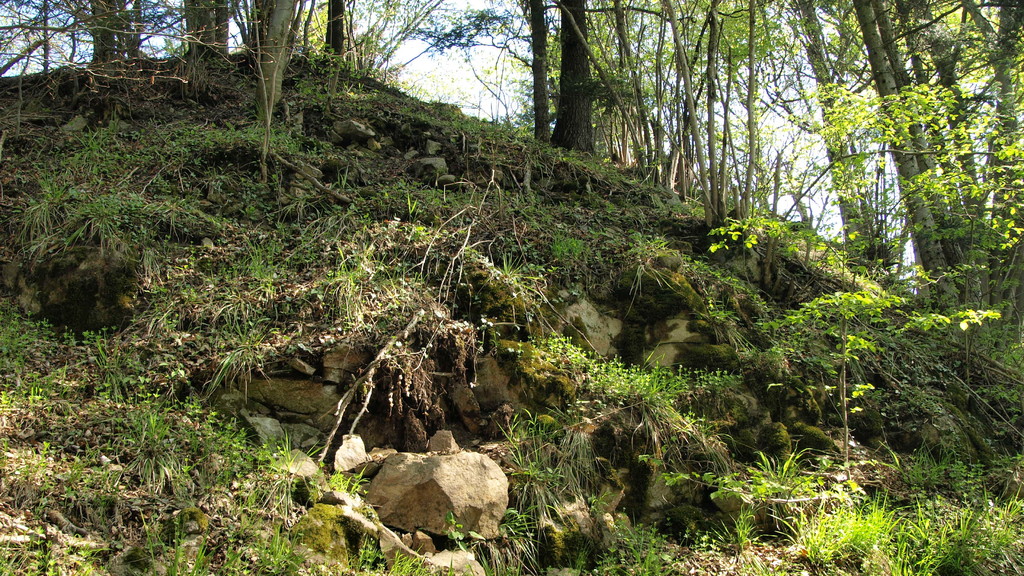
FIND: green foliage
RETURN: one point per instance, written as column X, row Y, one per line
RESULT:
column 833, row 533
column 636, row 551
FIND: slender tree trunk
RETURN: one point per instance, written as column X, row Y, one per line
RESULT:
column 912, row 159
column 539, row 66
column 744, row 205
column 714, row 205
column 102, row 29
column 337, row 26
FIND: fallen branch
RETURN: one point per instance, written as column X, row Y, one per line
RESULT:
column 367, row 376
column 309, row 174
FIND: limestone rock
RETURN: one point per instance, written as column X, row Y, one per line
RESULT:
column 457, row 563
column 300, row 464
column 442, row 441
column 420, row 541
column 301, row 366
column 352, row 131
column 416, row 492
column 468, row 408
column 493, row 384
column 432, row 147
column 76, row 124
column 304, row 399
column 341, row 363
column 596, row 329
column 301, row 435
column 267, row 429
column 429, row 168
column 351, row 454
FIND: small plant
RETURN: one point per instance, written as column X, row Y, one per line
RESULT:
column 348, row 483
column 831, row 533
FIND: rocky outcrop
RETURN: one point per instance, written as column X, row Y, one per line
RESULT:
column 81, row 289
column 417, row 492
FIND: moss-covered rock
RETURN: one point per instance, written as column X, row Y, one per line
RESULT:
column 808, row 437
column 688, row 522
column 775, row 440
column 540, row 383
column 327, row 533
column 192, row 520
column 487, row 295
column 867, row 426
column 698, row 356
column 81, row 289
column 565, row 546
column 650, row 295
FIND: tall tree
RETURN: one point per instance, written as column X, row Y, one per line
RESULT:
column 574, row 128
column 206, row 23
column 539, row 68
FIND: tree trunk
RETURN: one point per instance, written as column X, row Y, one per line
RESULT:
column 274, row 48
column 912, row 158
column 102, row 28
column 539, row 66
column 337, row 26
column 574, row 128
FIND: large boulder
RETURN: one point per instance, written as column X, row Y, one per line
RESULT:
column 416, row 492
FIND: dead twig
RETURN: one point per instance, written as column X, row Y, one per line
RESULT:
column 311, row 175
column 367, row 376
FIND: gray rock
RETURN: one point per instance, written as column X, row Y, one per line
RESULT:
column 267, row 429
column 446, row 180
column 416, row 492
column 420, row 541
column 352, row 131
column 301, row 435
column 351, row 454
column 307, row 399
column 457, row 563
column 429, row 168
column 76, row 124
column 442, row 441
column 301, row 366
column 432, row 147
column 300, row 464
column 344, row 361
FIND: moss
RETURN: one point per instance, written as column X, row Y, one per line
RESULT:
column 710, row 357
column 306, row 491
column 136, row 560
column 687, row 522
column 742, row 443
column 192, row 520
column 325, row 531
column 808, row 437
column 545, row 385
column 775, row 440
column 702, row 327
column 867, row 426
column 489, row 297
column 565, row 546
column 658, row 294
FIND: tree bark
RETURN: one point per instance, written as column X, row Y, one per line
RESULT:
column 539, row 67
column 574, row 128
column 912, row 159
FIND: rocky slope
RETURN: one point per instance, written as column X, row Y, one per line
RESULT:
column 381, row 271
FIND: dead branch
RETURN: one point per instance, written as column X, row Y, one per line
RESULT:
column 367, row 376
column 310, row 174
